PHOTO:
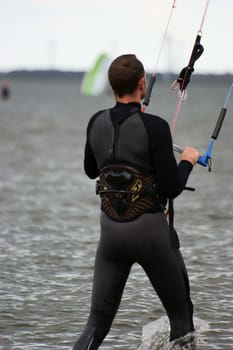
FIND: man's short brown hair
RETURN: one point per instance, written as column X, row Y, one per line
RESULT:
column 124, row 74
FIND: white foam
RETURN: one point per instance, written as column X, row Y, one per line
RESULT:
column 155, row 335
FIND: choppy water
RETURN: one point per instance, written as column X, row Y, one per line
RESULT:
column 49, row 224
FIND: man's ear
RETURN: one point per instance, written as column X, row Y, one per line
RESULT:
column 142, row 83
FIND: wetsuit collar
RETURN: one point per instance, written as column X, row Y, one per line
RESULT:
column 127, row 106
column 122, row 111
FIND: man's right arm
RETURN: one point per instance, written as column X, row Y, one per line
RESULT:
column 172, row 178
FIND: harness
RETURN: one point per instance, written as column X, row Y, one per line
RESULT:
column 125, row 192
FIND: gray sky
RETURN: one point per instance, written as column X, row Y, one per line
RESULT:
column 69, row 34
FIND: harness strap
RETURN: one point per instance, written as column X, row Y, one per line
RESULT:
column 171, row 213
column 149, row 191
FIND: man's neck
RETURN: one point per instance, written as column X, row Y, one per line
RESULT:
column 129, row 98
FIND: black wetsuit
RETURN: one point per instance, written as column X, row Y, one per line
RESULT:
column 145, row 141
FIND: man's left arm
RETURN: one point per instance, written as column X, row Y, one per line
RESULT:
column 90, row 165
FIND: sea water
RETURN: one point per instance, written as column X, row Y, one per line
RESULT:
column 49, row 225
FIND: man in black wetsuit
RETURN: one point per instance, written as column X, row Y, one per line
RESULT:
column 132, row 155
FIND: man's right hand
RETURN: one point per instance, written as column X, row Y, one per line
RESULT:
column 190, row 154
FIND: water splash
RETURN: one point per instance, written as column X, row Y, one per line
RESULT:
column 155, row 335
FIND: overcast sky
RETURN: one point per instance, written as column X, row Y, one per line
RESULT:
column 69, row 34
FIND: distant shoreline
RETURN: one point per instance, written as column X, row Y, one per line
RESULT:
column 78, row 75
column 42, row 74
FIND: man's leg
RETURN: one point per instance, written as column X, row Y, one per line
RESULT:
column 164, row 266
column 110, row 277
